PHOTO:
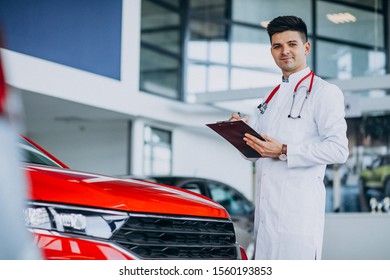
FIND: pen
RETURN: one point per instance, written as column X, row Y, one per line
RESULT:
column 239, row 114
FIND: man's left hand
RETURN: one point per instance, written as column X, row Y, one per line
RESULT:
column 269, row 148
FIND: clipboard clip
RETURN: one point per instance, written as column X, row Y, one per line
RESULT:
column 228, row 121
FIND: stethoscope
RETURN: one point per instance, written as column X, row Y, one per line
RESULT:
column 263, row 106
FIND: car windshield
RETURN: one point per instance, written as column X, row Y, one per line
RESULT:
column 32, row 154
column 376, row 163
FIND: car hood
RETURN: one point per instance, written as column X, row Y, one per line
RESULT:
column 65, row 186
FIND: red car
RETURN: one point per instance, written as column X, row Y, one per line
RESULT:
column 79, row 215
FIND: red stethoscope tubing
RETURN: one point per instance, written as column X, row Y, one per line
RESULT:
column 265, row 104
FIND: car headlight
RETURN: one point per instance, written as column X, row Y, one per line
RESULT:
column 74, row 220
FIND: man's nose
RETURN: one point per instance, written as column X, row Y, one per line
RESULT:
column 285, row 50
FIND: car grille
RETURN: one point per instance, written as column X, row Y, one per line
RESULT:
column 170, row 237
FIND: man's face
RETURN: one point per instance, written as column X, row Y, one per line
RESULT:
column 289, row 51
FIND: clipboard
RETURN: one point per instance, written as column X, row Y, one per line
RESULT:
column 233, row 132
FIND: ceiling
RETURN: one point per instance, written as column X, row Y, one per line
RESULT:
column 45, row 113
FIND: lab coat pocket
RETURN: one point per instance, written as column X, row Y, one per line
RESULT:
column 297, row 214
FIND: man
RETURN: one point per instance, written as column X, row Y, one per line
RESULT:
column 302, row 122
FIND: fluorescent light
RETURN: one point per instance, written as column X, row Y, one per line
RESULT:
column 265, row 23
column 341, row 18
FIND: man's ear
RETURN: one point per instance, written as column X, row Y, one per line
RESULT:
column 307, row 47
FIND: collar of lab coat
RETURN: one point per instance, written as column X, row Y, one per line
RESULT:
column 295, row 77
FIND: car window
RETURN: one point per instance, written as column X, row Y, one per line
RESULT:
column 376, row 163
column 30, row 154
column 230, row 199
column 165, row 181
column 386, row 161
column 194, row 187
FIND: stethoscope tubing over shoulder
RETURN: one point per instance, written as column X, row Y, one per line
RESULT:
column 263, row 106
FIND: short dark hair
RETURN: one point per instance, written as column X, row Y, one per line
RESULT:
column 287, row 23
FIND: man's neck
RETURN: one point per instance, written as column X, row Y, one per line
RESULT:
column 287, row 74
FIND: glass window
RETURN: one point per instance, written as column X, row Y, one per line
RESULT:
column 207, row 8
column 247, row 78
column 252, row 62
column 157, row 16
column 203, row 78
column 197, row 78
column 350, row 24
column 159, row 73
column 339, row 61
column 32, row 154
column 157, row 151
column 167, row 40
column 376, row 130
column 160, row 62
column 261, row 12
column 251, row 48
column 368, row 3
column 194, row 187
column 208, row 42
column 207, row 30
column 160, row 27
column 218, row 78
column 172, row 2
column 376, row 163
column 230, row 199
column 212, row 51
column 208, row 52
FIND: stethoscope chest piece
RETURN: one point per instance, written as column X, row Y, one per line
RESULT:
column 262, row 107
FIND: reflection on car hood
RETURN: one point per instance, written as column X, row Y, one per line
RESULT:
column 80, row 188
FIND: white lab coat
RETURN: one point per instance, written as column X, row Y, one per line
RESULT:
column 290, row 195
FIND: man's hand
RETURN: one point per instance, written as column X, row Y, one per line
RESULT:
column 269, row 148
column 237, row 117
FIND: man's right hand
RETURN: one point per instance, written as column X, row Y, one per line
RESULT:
column 237, row 117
